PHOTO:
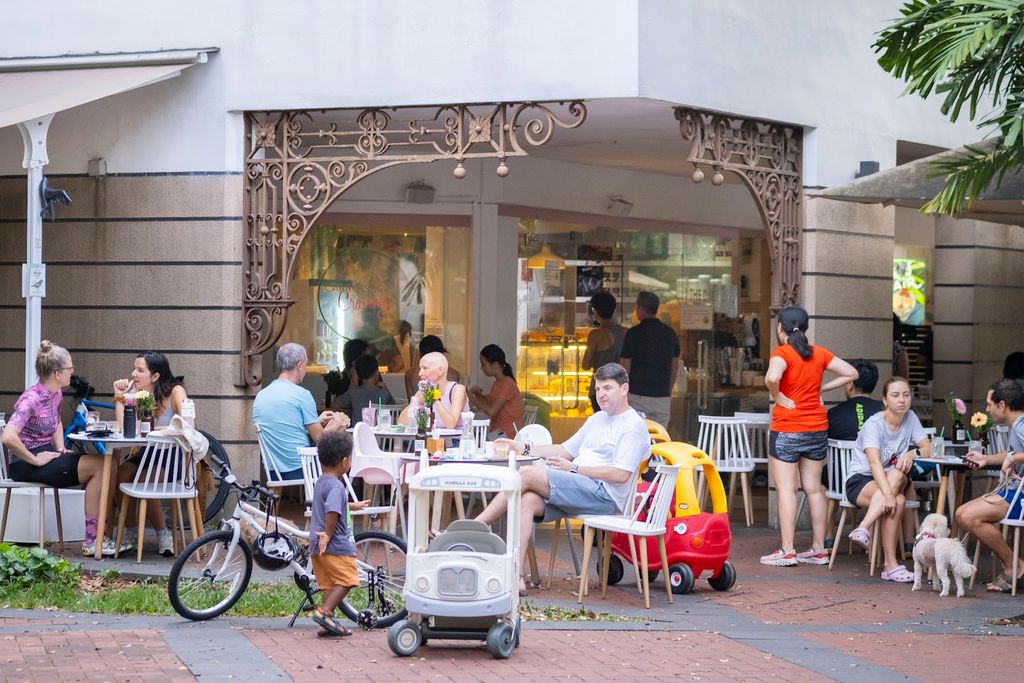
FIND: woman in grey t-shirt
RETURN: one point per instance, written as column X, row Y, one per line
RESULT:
column 879, row 472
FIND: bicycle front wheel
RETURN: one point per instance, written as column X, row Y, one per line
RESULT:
column 209, row 576
column 382, row 554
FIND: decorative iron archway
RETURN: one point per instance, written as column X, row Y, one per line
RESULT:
column 298, row 164
column 766, row 155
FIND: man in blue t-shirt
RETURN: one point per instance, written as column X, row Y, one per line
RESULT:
column 1005, row 403
column 285, row 413
column 846, row 419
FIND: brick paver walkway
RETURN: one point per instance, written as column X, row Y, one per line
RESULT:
column 800, row 623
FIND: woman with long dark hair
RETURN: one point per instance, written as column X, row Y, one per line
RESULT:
column 798, row 441
column 504, row 402
column 151, row 372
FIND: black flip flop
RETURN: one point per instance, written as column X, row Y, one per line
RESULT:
column 330, row 625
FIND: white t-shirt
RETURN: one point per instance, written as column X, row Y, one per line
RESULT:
column 876, row 434
column 619, row 441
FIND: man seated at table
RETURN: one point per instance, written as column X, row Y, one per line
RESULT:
column 1005, row 403
column 591, row 473
column 846, row 419
column 285, row 412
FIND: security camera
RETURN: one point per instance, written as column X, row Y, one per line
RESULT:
column 49, row 195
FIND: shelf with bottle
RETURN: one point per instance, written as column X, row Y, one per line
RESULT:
column 552, row 371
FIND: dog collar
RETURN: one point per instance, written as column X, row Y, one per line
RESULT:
column 925, row 534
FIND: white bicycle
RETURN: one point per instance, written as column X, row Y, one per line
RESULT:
column 212, row 573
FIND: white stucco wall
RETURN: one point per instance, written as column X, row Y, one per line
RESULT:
column 805, row 62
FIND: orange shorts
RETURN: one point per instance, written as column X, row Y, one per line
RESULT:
column 332, row 571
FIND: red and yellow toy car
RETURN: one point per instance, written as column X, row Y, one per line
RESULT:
column 697, row 543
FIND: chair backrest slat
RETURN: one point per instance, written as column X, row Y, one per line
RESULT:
column 838, row 465
column 269, row 466
column 163, row 466
column 664, row 486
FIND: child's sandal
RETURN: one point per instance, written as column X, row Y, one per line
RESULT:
column 331, row 625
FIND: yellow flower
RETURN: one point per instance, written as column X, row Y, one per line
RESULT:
column 979, row 419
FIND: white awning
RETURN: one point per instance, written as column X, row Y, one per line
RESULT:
column 27, row 95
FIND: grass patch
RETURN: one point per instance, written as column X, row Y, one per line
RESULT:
column 531, row 612
column 111, row 594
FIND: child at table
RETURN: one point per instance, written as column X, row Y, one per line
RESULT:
column 370, row 392
column 333, row 550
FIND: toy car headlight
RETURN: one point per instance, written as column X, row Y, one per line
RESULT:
column 422, row 584
column 493, row 585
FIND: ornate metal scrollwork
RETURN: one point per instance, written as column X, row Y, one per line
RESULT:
column 298, row 163
column 766, row 155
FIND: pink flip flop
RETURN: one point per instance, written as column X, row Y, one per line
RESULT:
column 861, row 537
column 898, row 574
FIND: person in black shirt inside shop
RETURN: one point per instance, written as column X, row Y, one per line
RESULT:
column 650, row 354
column 846, row 419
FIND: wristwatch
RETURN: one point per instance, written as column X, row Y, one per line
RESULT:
column 574, row 468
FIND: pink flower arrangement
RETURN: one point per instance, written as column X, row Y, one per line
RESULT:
column 956, row 407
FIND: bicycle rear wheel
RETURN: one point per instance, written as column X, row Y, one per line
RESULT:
column 378, row 549
column 210, row 576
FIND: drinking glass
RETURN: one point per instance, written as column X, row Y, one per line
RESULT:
column 384, row 419
column 939, row 447
column 370, row 416
column 501, row 450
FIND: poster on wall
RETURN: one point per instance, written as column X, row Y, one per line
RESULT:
column 908, row 290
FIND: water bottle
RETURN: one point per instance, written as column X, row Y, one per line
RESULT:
column 188, row 412
column 467, row 442
column 129, row 416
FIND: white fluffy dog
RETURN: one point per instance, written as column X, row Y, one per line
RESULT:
column 935, row 550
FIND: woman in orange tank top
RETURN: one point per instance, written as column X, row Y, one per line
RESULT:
column 798, row 442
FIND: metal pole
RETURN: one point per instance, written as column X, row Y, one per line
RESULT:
column 33, row 133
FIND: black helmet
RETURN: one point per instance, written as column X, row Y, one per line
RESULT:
column 273, row 550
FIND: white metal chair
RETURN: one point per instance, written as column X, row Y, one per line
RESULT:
column 312, row 470
column 274, row 479
column 480, row 429
column 1017, row 523
column 9, row 486
column 999, row 439
column 758, row 425
column 653, row 525
column 164, row 473
column 534, row 434
column 724, row 439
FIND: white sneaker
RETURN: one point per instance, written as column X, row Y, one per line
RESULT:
column 165, row 543
column 129, row 540
column 107, row 548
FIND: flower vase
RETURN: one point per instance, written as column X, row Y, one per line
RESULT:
column 145, row 418
column 984, row 443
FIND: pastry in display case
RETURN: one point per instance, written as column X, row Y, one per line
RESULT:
column 549, row 367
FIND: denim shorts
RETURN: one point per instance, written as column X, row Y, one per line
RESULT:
column 1007, row 495
column 791, row 446
column 575, row 494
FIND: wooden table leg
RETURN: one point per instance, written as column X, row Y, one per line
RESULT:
column 101, row 517
column 957, row 500
column 940, row 504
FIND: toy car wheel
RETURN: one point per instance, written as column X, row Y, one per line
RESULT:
column 615, row 571
column 500, row 641
column 725, row 579
column 681, row 578
column 404, row 638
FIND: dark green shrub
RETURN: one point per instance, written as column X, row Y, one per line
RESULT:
column 20, row 566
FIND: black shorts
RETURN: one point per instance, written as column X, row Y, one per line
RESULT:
column 855, row 483
column 61, row 472
column 791, row 446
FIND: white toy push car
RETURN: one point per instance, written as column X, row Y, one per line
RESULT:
column 463, row 584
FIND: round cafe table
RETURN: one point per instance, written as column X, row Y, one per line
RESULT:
column 113, row 442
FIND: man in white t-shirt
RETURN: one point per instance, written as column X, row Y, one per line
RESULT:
column 591, row 473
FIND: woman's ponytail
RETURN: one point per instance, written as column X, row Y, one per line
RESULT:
column 794, row 321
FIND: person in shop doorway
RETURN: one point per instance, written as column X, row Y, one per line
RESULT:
column 650, row 354
column 604, row 343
